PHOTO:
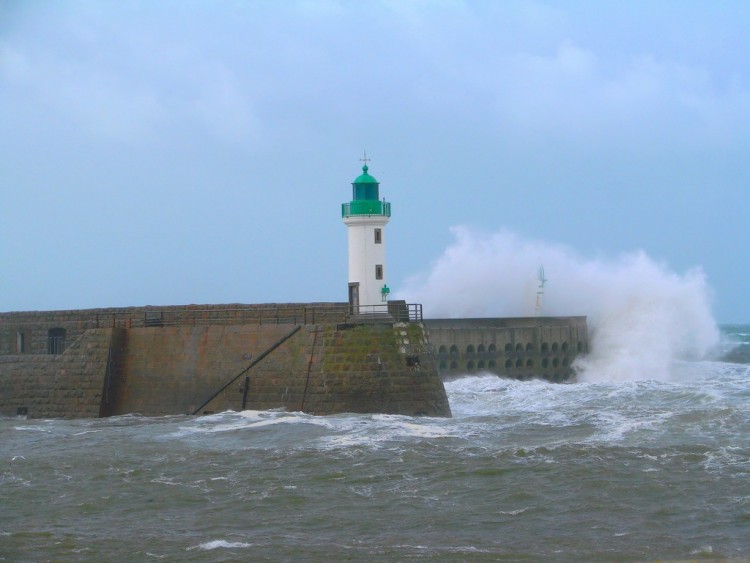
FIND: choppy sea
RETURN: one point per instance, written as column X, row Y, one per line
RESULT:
column 602, row 470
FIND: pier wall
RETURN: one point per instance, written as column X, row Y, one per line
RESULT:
column 313, row 358
column 153, row 364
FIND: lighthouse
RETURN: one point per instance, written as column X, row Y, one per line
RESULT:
column 365, row 217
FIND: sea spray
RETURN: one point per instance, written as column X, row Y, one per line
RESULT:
column 642, row 316
column 645, row 319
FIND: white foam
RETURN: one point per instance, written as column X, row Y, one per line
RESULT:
column 32, row 428
column 219, row 544
column 640, row 412
column 514, row 512
column 373, row 431
column 230, row 421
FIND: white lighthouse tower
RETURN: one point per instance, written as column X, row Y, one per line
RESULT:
column 365, row 217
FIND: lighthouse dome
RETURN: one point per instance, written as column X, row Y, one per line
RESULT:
column 365, row 178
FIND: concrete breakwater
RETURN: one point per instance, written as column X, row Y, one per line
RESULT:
column 521, row 348
column 175, row 360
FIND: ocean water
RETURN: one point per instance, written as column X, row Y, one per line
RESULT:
column 650, row 468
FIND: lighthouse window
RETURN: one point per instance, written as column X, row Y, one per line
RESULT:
column 378, row 271
column 378, row 236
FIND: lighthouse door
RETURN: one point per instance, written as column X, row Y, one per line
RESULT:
column 354, row 297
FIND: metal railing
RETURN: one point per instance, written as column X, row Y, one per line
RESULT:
column 198, row 317
column 400, row 311
column 365, row 207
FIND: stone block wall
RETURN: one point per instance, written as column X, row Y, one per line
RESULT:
column 329, row 369
column 174, row 370
column 322, row 369
column 51, row 386
column 388, row 366
column 276, row 380
column 32, row 327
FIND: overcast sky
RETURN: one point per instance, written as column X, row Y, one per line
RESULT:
column 198, row 152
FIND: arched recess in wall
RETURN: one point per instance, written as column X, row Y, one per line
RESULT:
column 442, row 350
column 454, row 351
column 470, row 351
column 56, row 340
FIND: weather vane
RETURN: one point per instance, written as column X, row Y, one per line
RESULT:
column 364, row 158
